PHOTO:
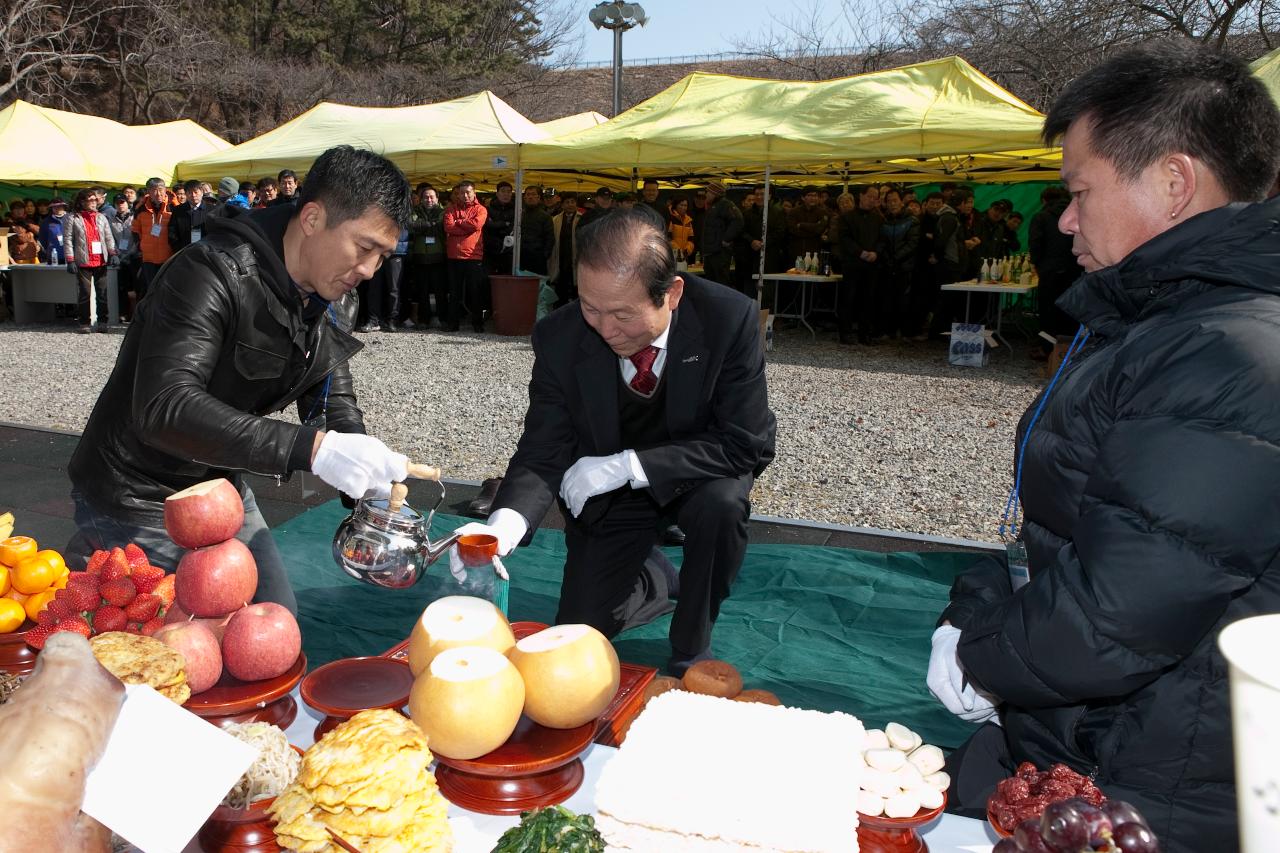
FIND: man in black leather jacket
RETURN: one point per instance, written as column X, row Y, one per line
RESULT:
column 236, row 328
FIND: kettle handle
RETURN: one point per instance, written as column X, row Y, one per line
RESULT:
column 418, row 471
column 399, row 491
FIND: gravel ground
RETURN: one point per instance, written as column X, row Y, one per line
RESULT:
column 888, row 437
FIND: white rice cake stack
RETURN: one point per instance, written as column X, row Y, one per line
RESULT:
column 698, row 774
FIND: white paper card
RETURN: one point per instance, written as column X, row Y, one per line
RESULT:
column 155, row 230
column 196, row 234
column 159, row 812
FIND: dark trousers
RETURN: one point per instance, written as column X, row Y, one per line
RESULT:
column 606, row 584
column 856, row 300
column 565, row 285
column 93, row 285
column 430, row 280
column 384, row 292
column 467, row 285
column 893, row 290
column 146, row 275
column 716, row 268
column 975, row 768
column 746, row 263
column 96, row 530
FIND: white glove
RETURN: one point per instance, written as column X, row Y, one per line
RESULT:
column 507, row 525
column 359, row 466
column 508, row 241
column 595, row 475
column 948, row 683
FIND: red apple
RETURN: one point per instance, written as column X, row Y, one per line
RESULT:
column 199, row 647
column 261, row 641
column 216, row 624
column 205, row 514
column 216, row 580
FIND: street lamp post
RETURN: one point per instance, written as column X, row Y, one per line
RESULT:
column 618, row 17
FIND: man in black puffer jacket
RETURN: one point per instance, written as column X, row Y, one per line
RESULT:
column 1150, row 475
column 236, row 328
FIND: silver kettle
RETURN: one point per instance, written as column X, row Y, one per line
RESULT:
column 385, row 542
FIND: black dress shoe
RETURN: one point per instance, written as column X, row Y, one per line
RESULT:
column 452, row 327
column 367, row 328
column 390, row 327
column 482, row 504
column 673, row 535
column 477, row 327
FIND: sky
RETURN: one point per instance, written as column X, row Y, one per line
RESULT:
column 681, row 27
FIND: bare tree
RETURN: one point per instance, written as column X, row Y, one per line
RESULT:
column 819, row 42
column 45, row 46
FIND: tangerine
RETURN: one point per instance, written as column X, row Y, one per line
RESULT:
column 17, row 548
column 4, row 579
column 15, row 595
column 34, row 604
column 11, row 616
column 55, row 558
column 33, row 574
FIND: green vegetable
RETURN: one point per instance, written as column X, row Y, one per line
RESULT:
column 552, row 830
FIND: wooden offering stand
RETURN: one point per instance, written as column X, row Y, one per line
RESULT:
column 248, row 830
column 16, row 657
column 537, row 766
column 343, row 688
column 235, row 701
column 896, row 834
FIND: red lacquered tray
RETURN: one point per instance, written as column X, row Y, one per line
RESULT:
column 612, row 726
column 342, row 688
column 235, row 701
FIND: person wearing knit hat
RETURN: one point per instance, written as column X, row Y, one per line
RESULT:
column 720, row 229
column 229, row 193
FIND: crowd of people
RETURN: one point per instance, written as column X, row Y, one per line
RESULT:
column 892, row 247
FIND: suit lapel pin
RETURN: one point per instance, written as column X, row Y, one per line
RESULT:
column 689, row 360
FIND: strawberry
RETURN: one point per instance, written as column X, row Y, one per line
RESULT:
column 85, row 579
column 36, row 636
column 133, row 628
column 151, row 626
column 119, row 592
column 165, row 591
column 80, row 598
column 96, row 562
column 59, row 609
column 46, row 617
column 143, row 608
column 75, row 624
column 135, row 556
column 146, row 577
column 117, row 565
column 109, row 618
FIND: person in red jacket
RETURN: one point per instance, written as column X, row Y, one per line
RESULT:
column 464, row 250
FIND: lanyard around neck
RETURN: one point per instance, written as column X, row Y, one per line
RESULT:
column 1009, row 520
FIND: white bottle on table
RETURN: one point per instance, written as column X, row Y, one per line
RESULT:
column 985, row 275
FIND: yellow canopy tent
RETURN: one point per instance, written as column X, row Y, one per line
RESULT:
column 925, row 121
column 179, row 140
column 571, row 124
column 445, row 141
column 1267, row 69
column 49, row 147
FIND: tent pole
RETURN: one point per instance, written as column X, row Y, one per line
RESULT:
column 764, row 232
column 519, row 200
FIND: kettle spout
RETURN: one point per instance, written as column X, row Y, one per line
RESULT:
column 432, row 551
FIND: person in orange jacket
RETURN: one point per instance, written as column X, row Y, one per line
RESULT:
column 151, row 232
column 464, row 251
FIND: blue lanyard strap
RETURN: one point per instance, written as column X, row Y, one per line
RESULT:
column 1009, row 520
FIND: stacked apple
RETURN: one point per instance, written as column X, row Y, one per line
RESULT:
column 212, row 622
column 472, row 680
column 119, row 590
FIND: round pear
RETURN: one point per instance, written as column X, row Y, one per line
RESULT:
column 467, row 701
column 570, row 672
column 455, row 621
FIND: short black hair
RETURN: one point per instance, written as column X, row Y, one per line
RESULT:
column 648, row 181
column 502, row 184
column 935, row 194
column 191, row 185
column 422, row 187
column 1176, row 96
column 348, row 181
column 1052, row 193
column 460, row 184
column 152, row 183
column 631, row 241
column 264, row 183
column 860, row 191
column 287, row 173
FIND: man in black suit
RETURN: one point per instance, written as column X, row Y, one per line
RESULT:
column 647, row 402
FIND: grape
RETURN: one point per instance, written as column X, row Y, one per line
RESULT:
column 1063, row 826
column 1134, row 838
column 1096, row 822
column 1121, row 812
column 1028, row 837
column 1007, row 845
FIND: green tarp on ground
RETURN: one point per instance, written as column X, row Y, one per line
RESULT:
column 824, row 628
